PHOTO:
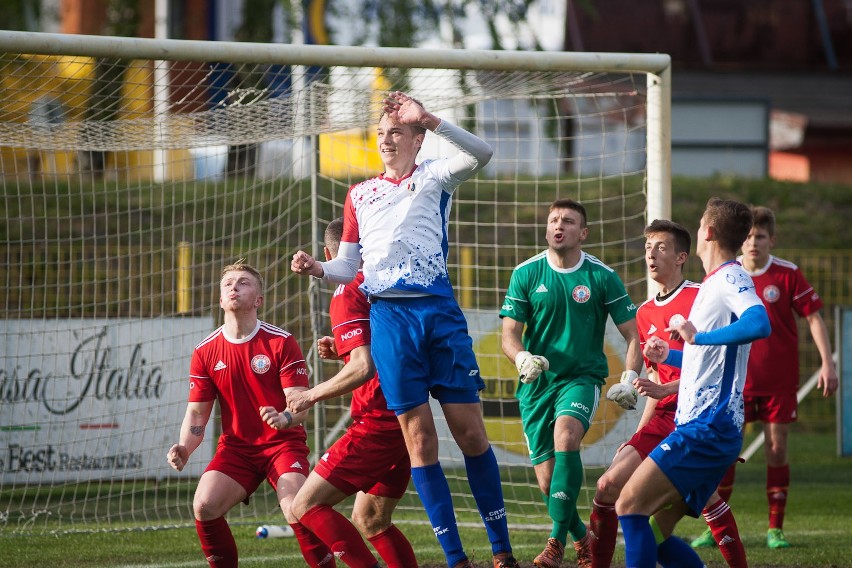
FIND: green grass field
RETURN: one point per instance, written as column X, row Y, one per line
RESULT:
column 819, row 525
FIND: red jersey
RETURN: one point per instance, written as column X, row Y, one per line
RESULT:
column 350, row 325
column 652, row 318
column 773, row 365
column 245, row 374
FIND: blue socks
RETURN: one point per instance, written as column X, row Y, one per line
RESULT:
column 483, row 476
column 434, row 492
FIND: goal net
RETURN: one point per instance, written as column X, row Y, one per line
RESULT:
column 134, row 170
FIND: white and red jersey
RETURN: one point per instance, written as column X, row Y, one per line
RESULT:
column 401, row 225
column 652, row 318
column 350, row 325
column 245, row 374
column 402, row 228
column 773, row 365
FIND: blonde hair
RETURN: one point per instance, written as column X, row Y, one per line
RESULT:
column 241, row 265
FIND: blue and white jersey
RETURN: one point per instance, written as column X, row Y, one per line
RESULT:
column 402, row 229
column 713, row 376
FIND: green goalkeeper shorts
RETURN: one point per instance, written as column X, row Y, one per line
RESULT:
column 578, row 398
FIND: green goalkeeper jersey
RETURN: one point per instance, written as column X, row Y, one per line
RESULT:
column 565, row 312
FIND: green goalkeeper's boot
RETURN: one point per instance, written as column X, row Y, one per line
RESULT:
column 706, row 540
column 775, row 539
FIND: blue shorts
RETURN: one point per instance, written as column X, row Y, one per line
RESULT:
column 421, row 346
column 695, row 457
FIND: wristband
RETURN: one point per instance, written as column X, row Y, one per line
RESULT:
column 629, row 376
column 286, row 414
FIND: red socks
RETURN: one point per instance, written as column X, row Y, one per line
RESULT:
column 722, row 524
column 394, row 548
column 777, row 483
column 314, row 551
column 726, row 486
column 603, row 526
column 217, row 543
column 340, row 535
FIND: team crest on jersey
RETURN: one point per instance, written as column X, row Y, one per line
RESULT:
column 771, row 293
column 581, row 294
column 260, row 364
column 676, row 320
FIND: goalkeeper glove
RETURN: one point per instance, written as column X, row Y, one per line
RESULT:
column 530, row 366
column 624, row 394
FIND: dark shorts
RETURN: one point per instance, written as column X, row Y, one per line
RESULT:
column 695, row 457
column 364, row 459
column 421, row 347
column 649, row 437
column 775, row 409
column 249, row 469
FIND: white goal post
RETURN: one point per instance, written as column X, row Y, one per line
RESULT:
column 132, row 170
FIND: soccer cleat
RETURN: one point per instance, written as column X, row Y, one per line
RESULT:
column 705, row 540
column 584, row 553
column 551, row 556
column 505, row 561
column 775, row 539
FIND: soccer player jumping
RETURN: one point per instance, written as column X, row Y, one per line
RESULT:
column 398, row 224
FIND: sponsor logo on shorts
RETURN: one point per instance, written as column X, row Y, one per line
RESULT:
column 296, row 465
column 665, row 447
column 771, row 293
column 260, row 364
column 473, row 372
column 581, row 294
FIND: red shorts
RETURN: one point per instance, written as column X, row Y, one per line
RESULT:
column 661, row 425
column 250, row 468
column 368, row 460
column 775, row 409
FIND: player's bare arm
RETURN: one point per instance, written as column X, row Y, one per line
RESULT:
column 828, row 380
column 357, row 371
column 191, row 434
column 303, row 263
column 633, row 355
column 655, row 390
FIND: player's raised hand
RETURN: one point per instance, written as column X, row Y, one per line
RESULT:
column 303, row 263
column 177, row 457
column 656, row 349
column 326, row 348
column 407, row 109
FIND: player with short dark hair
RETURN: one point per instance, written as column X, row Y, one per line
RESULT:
column 682, row 472
column 773, row 366
column 397, row 223
column 370, row 460
column 554, row 319
column 667, row 246
column 250, row 367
